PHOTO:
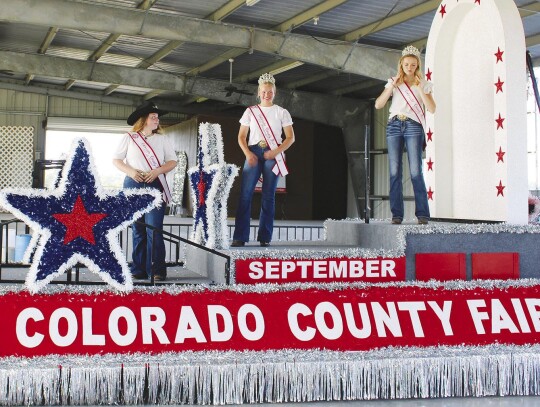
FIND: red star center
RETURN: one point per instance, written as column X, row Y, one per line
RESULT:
column 201, row 187
column 79, row 223
column 429, row 134
column 477, row 1
column 499, row 84
column 500, row 155
column 500, row 188
column 442, row 10
column 430, row 165
column 500, row 121
column 428, row 74
column 430, row 193
column 499, row 55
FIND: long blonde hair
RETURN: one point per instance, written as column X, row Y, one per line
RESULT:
column 141, row 122
column 417, row 72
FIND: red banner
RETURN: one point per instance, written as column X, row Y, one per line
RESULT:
column 348, row 319
column 347, row 270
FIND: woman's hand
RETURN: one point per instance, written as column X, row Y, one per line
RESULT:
column 251, row 159
column 270, row 154
column 136, row 175
column 151, row 175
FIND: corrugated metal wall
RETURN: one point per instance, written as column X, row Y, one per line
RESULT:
column 31, row 109
column 380, row 178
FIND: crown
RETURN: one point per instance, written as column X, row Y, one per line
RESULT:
column 266, row 78
column 411, row 50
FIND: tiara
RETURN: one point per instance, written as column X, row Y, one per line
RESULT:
column 411, row 50
column 266, row 78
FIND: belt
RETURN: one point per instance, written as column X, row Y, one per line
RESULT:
column 262, row 144
column 400, row 117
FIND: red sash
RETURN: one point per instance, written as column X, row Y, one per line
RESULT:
column 281, row 167
column 153, row 162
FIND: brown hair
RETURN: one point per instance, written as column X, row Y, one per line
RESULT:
column 141, row 122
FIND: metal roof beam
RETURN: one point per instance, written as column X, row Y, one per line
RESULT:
column 49, row 37
column 226, row 10
column 426, row 7
column 357, row 59
column 274, row 69
column 356, row 87
column 321, row 108
column 287, row 25
column 308, row 15
column 217, row 15
column 310, row 79
column 391, row 20
column 529, row 9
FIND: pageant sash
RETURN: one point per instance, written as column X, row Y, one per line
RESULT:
column 413, row 103
column 153, row 162
column 281, row 167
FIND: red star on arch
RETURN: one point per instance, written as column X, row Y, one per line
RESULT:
column 428, row 74
column 79, row 223
column 499, row 84
column 429, row 135
column 477, row 1
column 430, row 193
column 442, row 10
column 201, row 187
column 500, row 121
column 430, row 165
column 500, row 188
column 499, row 55
column 500, row 155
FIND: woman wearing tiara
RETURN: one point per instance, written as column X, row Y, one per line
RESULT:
column 411, row 94
column 264, row 150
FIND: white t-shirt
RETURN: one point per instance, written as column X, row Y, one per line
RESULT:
column 277, row 117
column 128, row 151
column 399, row 104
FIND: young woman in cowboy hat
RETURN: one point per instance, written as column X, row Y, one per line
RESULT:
column 411, row 95
column 145, row 157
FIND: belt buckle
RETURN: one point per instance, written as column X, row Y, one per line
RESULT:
column 262, row 144
column 401, row 117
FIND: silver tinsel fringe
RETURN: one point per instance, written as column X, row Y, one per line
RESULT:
column 178, row 184
column 218, row 378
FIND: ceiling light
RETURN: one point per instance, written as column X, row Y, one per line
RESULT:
column 251, row 2
column 286, row 67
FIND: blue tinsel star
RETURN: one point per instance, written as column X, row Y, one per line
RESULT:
column 78, row 222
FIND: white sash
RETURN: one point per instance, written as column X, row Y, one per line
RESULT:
column 413, row 103
column 152, row 161
column 281, row 167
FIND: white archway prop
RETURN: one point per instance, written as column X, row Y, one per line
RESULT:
column 476, row 156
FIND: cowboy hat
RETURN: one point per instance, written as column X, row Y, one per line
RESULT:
column 143, row 110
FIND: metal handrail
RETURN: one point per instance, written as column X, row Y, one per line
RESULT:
column 283, row 233
column 189, row 242
column 167, row 236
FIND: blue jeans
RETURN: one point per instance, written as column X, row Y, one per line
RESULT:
column 410, row 134
column 148, row 253
column 250, row 176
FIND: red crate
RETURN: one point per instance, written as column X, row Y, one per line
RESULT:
column 440, row 266
column 495, row 266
